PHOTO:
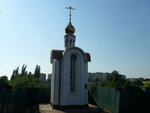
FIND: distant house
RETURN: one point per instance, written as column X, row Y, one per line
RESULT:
column 97, row 76
column 49, row 76
column 42, row 77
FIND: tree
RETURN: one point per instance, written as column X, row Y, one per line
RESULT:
column 23, row 79
column 138, row 82
column 37, row 71
column 15, row 73
column 128, row 83
column 27, row 80
column 23, row 70
column 4, row 83
column 116, row 80
column 23, row 82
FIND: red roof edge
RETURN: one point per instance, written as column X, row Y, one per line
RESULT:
column 56, row 54
column 88, row 57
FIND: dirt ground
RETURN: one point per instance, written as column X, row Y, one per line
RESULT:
column 46, row 108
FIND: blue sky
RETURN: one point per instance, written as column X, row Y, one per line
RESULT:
column 115, row 33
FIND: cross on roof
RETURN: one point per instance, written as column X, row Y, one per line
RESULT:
column 70, row 8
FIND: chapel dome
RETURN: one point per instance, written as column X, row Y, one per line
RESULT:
column 70, row 29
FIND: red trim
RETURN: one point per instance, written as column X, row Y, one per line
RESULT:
column 88, row 57
column 56, row 54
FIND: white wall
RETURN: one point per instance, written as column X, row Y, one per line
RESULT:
column 60, row 82
column 80, row 97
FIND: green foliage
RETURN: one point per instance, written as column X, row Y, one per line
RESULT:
column 37, row 71
column 116, row 80
column 147, row 84
column 15, row 73
column 23, row 82
column 27, row 80
column 138, row 82
column 23, row 70
column 4, row 83
column 93, row 84
column 128, row 83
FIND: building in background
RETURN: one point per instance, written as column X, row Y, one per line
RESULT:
column 42, row 77
column 100, row 76
column 49, row 77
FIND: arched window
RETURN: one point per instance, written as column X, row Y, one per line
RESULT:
column 73, row 73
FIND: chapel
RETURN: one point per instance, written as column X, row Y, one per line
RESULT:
column 69, row 73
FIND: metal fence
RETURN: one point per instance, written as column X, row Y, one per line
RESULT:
column 12, row 102
column 105, row 97
column 127, row 100
column 17, row 101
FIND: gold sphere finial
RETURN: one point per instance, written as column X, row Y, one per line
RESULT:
column 70, row 29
